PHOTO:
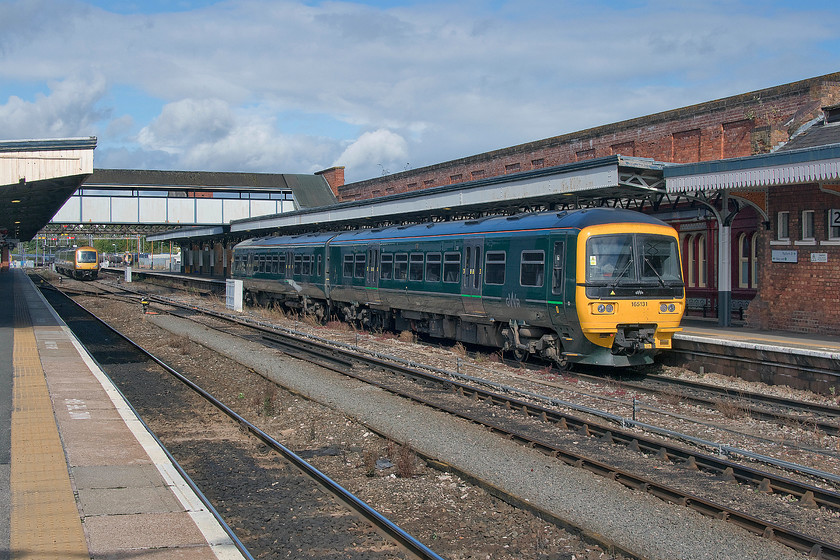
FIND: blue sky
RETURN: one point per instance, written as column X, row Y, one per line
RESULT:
column 285, row 86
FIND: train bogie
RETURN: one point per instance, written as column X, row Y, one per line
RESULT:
column 597, row 286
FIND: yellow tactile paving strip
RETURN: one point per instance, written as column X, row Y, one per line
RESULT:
column 45, row 522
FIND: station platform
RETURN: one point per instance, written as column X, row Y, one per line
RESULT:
column 822, row 344
column 80, row 475
column 809, row 362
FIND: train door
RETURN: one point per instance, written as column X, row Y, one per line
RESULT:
column 372, row 272
column 559, row 271
column 472, row 276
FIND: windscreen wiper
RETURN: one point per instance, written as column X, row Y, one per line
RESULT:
column 661, row 281
column 621, row 274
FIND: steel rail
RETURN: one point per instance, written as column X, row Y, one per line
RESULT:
column 730, row 470
column 392, row 530
column 793, row 539
column 828, row 410
column 744, row 474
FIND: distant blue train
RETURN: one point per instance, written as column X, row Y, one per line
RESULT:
column 595, row 286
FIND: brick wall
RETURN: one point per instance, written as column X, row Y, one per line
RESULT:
column 803, row 296
column 736, row 126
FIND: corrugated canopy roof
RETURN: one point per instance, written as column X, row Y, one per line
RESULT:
column 807, row 165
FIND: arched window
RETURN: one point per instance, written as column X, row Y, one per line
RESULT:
column 690, row 277
column 754, row 257
column 743, row 261
column 701, row 260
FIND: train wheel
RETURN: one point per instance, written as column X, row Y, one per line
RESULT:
column 563, row 364
column 520, row 356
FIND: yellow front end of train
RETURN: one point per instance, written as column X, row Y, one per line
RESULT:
column 630, row 295
column 81, row 263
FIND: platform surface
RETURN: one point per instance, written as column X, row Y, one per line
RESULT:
column 825, row 345
column 80, row 476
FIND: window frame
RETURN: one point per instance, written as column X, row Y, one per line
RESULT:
column 401, row 266
column 386, row 266
column 434, row 261
column 783, row 226
column 452, row 262
column 360, row 262
column 539, row 272
column 491, row 266
column 808, row 225
column 416, row 263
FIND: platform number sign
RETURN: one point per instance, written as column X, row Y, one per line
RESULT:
column 834, row 223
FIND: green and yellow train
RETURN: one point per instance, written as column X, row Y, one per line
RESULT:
column 595, row 286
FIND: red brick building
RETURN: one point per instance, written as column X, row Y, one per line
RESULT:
column 743, row 125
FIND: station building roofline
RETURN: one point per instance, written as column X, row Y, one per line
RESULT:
column 36, row 178
column 197, row 233
column 813, row 164
column 565, row 185
column 37, row 145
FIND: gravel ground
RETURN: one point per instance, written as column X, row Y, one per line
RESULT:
column 633, row 521
column 456, row 519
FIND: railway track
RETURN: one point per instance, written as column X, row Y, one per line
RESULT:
column 338, row 358
column 332, row 524
column 726, row 470
column 822, row 417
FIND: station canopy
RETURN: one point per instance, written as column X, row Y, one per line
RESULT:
column 618, row 181
column 36, row 179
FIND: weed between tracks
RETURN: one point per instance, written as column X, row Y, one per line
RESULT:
column 731, row 409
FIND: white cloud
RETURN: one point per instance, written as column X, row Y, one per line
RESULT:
column 209, row 134
column 422, row 83
column 381, row 149
column 71, row 109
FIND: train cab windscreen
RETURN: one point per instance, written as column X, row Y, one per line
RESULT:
column 86, row 257
column 622, row 265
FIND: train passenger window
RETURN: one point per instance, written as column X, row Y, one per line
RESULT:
column 386, row 272
column 347, row 272
column 433, row 267
column 298, row 270
column 281, row 265
column 261, row 263
column 318, row 266
column 306, row 268
column 360, row 266
column 557, row 274
column 532, row 268
column 415, row 267
column 452, row 267
column 274, row 264
column 494, row 267
column 401, row 266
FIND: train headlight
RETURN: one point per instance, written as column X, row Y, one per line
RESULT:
column 667, row 308
column 603, row 309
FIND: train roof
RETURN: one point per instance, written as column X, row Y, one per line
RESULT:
column 576, row 219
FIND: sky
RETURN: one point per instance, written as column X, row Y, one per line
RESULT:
column 299, row 86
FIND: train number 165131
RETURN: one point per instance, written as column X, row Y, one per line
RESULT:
column 639, row 304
